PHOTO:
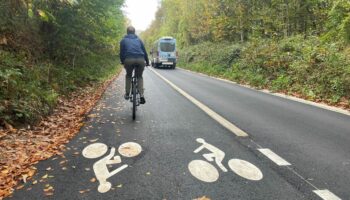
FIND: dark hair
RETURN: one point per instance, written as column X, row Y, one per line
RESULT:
column 130, row 30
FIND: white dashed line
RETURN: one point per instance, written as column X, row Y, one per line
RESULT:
column 225, row 123
column 326, row 195
column 274, row 157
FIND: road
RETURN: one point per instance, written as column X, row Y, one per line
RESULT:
column 291, row 150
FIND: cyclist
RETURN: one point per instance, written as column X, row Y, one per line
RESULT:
column 133, row 55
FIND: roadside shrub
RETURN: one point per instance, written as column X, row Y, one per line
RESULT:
column 28, row 91
column 310, row 67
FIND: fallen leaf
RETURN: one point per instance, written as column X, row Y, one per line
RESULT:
column 27, row 147
column 94, row 140
column 202, row 198
column 20, row 187
column 62, row 162
column 48, row 193
column 92, row 115
column 24, row 178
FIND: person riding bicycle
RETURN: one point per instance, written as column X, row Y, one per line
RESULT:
column 133, row 55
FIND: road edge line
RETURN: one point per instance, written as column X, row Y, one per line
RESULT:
column 221, row 120
column 284, row 96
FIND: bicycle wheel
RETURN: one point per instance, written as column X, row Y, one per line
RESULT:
column 134, row 100
column 203, row 171
column 245, row 169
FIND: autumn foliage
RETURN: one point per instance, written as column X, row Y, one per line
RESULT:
column 22, row 148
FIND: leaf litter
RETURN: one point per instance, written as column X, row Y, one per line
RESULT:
column 22, row 148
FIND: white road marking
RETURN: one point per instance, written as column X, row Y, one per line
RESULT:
column 101, row 170
column 95, row 150
column 130, row 149
column 203, row 171
column 215, row 153
column 245, row 169
column 196, row 166
column 326, row 195
column 234, row 129
column 319, row 105
column 274, row 157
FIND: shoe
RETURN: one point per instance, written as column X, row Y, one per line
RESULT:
column 142, row 100
column 126, row 97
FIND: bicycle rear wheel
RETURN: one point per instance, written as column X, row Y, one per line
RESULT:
column 134, row 100
column 203, row 170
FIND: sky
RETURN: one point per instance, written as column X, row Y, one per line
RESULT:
column 141, row 12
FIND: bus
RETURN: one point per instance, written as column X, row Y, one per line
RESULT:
column 164, row 53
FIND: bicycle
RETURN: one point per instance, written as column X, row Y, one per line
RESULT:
column 135, row 94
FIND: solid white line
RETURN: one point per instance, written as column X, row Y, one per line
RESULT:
column 274, row 157
column 234, row 129
column 292, row 98
column 326, row 195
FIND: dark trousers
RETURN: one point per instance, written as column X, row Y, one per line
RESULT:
column 137, row 64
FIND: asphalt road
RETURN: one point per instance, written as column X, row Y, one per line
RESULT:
column 315, row 142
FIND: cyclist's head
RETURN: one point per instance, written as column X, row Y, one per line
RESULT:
column 130, row 30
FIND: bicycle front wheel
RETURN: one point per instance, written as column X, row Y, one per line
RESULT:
column 245, row 169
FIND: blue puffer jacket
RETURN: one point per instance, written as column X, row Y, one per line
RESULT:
column 132, row 47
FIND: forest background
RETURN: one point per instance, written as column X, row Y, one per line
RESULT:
column 298, row 47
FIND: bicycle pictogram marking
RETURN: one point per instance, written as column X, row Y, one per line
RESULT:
column 102, row 173
column 205, row 171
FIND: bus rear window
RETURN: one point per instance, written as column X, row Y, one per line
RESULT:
column 167, row 47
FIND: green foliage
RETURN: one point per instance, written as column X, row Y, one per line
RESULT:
column 50, row 48
column 339, row 21
column 297, row 65
column 237, row 20
column 345, row 29
column 269, row 44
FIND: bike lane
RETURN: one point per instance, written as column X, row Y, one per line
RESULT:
column 155, row 156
